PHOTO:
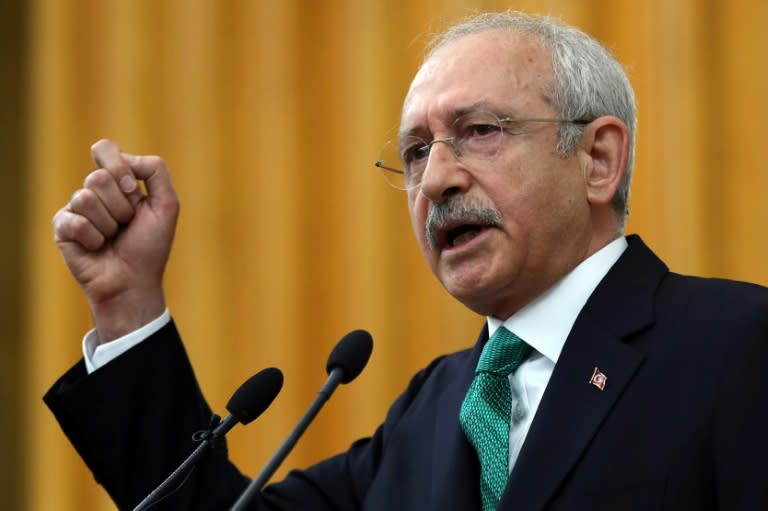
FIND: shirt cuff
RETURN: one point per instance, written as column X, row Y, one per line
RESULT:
column 98, row 355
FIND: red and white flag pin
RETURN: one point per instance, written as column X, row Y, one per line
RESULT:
column 598, row 379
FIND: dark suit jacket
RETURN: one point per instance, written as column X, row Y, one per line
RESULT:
column 682, row 423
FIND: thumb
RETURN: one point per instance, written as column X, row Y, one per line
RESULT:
column 153, row 171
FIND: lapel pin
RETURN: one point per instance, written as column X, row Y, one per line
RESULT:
column 598, row 379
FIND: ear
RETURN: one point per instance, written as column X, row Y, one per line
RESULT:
column 605, row 146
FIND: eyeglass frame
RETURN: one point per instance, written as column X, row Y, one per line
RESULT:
column 450, row 141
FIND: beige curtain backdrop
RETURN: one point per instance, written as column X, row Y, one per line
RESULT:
column 270, row 114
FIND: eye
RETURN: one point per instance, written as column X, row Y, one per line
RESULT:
column 413, row 151
column 477, row 126
column 481, row 130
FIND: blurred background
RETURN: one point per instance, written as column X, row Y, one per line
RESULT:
column 269, row 114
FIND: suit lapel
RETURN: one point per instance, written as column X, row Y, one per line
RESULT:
column 569, row 415
column 572, row 410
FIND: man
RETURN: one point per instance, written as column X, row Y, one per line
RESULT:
column 619, row 385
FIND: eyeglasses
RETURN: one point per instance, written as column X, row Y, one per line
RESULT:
column 477, row 136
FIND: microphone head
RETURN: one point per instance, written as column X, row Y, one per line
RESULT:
column 350, row 355
column 255, row 395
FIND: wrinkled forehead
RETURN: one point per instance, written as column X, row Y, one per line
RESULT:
column 499, row 70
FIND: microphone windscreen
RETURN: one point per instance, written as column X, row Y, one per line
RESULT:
column 255, row 395
column 351, row 354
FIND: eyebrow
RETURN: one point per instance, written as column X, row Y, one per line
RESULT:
column 474, row 107
column 455, row 113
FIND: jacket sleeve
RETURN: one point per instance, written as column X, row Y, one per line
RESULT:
column 131, row 421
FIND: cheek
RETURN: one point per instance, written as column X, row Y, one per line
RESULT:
column 531, row 207
column 417, row 213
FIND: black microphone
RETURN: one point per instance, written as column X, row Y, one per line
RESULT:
column 248, row 402
column 345, row 363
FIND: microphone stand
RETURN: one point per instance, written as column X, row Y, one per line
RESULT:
column 208, row 439
column 334, row 378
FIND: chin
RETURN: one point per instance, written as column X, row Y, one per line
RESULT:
column 483, row 292
column 475, row 304
column 468, row 292
column 468, row 276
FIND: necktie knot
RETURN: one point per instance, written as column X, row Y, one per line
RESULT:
column 503, row 353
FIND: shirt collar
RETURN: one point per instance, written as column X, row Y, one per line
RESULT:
column 546, row 322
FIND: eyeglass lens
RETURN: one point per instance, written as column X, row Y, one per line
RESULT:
column 476, row 135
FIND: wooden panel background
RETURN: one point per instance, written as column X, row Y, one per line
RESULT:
column 270, row 114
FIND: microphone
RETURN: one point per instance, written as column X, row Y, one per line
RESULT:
column 249, row 401
column 345, row 363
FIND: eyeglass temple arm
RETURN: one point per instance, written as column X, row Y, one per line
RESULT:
column 380, row 164
column 559, row 121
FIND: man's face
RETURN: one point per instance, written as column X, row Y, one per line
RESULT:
column 511, row 226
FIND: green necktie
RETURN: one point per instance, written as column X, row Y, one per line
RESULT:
column 487, row 408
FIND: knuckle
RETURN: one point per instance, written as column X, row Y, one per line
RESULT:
column 58, row 219
column 171, row 205
column 68, row 226
column 84, row 232
column 82, row 200
column 77, row 227
column 71, row 227
column 99, row 178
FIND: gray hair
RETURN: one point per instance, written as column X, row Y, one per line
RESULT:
column 588, row 81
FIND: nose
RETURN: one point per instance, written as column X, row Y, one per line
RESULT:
column 445, row 175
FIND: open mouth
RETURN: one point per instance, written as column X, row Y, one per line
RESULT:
column 458, row 222
column 462, row 234
column 456, row 234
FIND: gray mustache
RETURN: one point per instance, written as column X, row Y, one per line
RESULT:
column 459, row 210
